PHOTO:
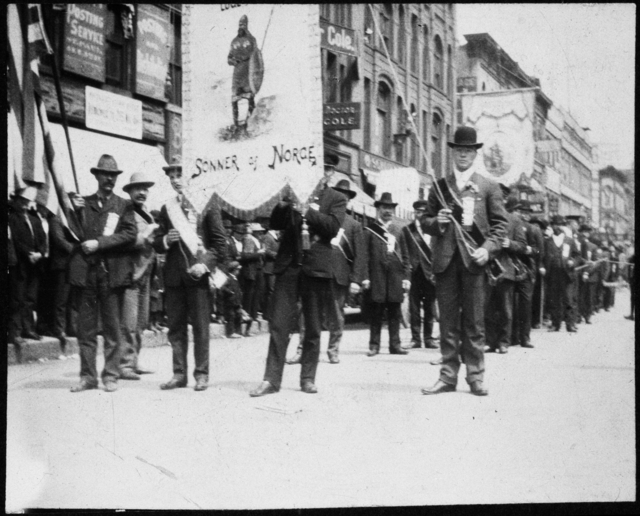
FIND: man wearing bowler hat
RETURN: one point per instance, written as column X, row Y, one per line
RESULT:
column 135, row 316
column 101, row 270
column 422, row 291
column 195, row 245
column 387, row 274
column 466, row 218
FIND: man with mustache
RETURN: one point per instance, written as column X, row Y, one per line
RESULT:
column 135, row 314
column 242, row 47
column 99, row 268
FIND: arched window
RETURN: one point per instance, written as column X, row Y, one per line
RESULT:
column 401, row 35
column 425, row 54
column 400, row 129
column 386, row 26
column 413, row 145
column 449, row 71
column 366, row 126
column 436, row 139
column 382, row 137
column 425, row 139
column 414, row 44
column 438, row 69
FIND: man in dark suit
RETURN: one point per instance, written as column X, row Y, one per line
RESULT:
column 252, row 259
column 30, row 245
column 500, row 291
column 100, row 269
column 348, row 262
column 301, row 273
column 562, row 256
column 271, row 244
column 195, row 246
column 465, row 216
column 540, row 227
column 586, row 286
column 387, row 274
column 423, row 290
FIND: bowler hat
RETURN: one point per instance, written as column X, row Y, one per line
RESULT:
column 331, row 159
column 543, row 223
column 558, row 220
column 241, row 228
column 420, row 204
column 139, row 179
column 106, row 165
column 385, row 198
column 465, row 137
column 28, row 192
column 342, row 186
column 176, row 164
column 585, row 227
column 525, row 205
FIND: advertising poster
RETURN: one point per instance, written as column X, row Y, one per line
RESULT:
column 504, row 122
column 152, row 54
column 84, row 40
column 252, row 106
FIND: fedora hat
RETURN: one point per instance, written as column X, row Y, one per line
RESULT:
column 28, row 192
column 557, row 220
column 139, row 179
column 107, row 165
column 342, row 186
column 256, row 226
column 385, row 198
column 331, row 160
column 233, row 265
column 420, row 204
column 176, row 164
column 585, row 227
column 465, row 137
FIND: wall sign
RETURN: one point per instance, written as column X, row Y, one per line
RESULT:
column 338, row 39
column 113, row 113
column 152, row 52
column 84, row 40
column 341, row 115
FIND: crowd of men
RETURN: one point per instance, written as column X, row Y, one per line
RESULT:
column 474, row 259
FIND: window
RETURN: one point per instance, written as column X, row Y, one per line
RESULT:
column 175, row 60
column 401, row 35
column 325, row 11
column 345, row 84
column 118, row 49
column 448, row 149
column 386, row 27
column 400, row 129
column 438, row 69
column 436, row 139
column 425, row 139
column 366, row 123
column 459, row 111
column 449, row 71
column 369, row 28
column 425, row 55
column 331, row 78
column 413, row 144
column 382, row 126
column 414, row 44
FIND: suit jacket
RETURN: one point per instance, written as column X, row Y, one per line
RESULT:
column 386, row 270
column 271, row 246
column 231, row 293
column 535, row 239
column 179, row 258
column 250, row 258
column 556, row 264
column 111, row 247
column 60, row 245
column 26, row 242
column 510, row 257
column 420, row 256
column 489, row 221
column 141, row 253
column 348, row 259
column 324, row 224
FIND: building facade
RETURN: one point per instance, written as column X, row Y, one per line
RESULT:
column 616, row 204
column 412, row 79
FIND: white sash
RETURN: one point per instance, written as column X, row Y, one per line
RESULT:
column 180, row 222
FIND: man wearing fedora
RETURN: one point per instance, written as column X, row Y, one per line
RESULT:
column 29, row 240
column 422, row 294
column 99, row 267
column 347, row 267
column 135, row 318
column 386, row 275
column 303, row 271
column 252, row 260
column 500, row 291
column 466, row 218
column 194, row 246
column 562, row 256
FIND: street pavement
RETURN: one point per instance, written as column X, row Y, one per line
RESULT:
column 558, row 426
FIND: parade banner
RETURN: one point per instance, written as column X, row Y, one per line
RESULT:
column 252, row 105
column 504, row 122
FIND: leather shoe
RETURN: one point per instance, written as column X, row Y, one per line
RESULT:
column 415, row 345
column 264, row 388
column 526, row 345
column 503, row 350
column 431, row 344
column 373, row 352
column 309, row 387
column 554, row 328
column 142, row 370
column 31, row 335
column 333, row 359
column 437, row 361
column 174, row 383
column 398, row 351
column 294, row 359
column 439, row 388
column 84, row 386
column 630, row 317
column 128, row 374
column 201, row 384
column 489, row 349
column 18, row 341
column 572, row 329
column 478, row 389
column 110, row 386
